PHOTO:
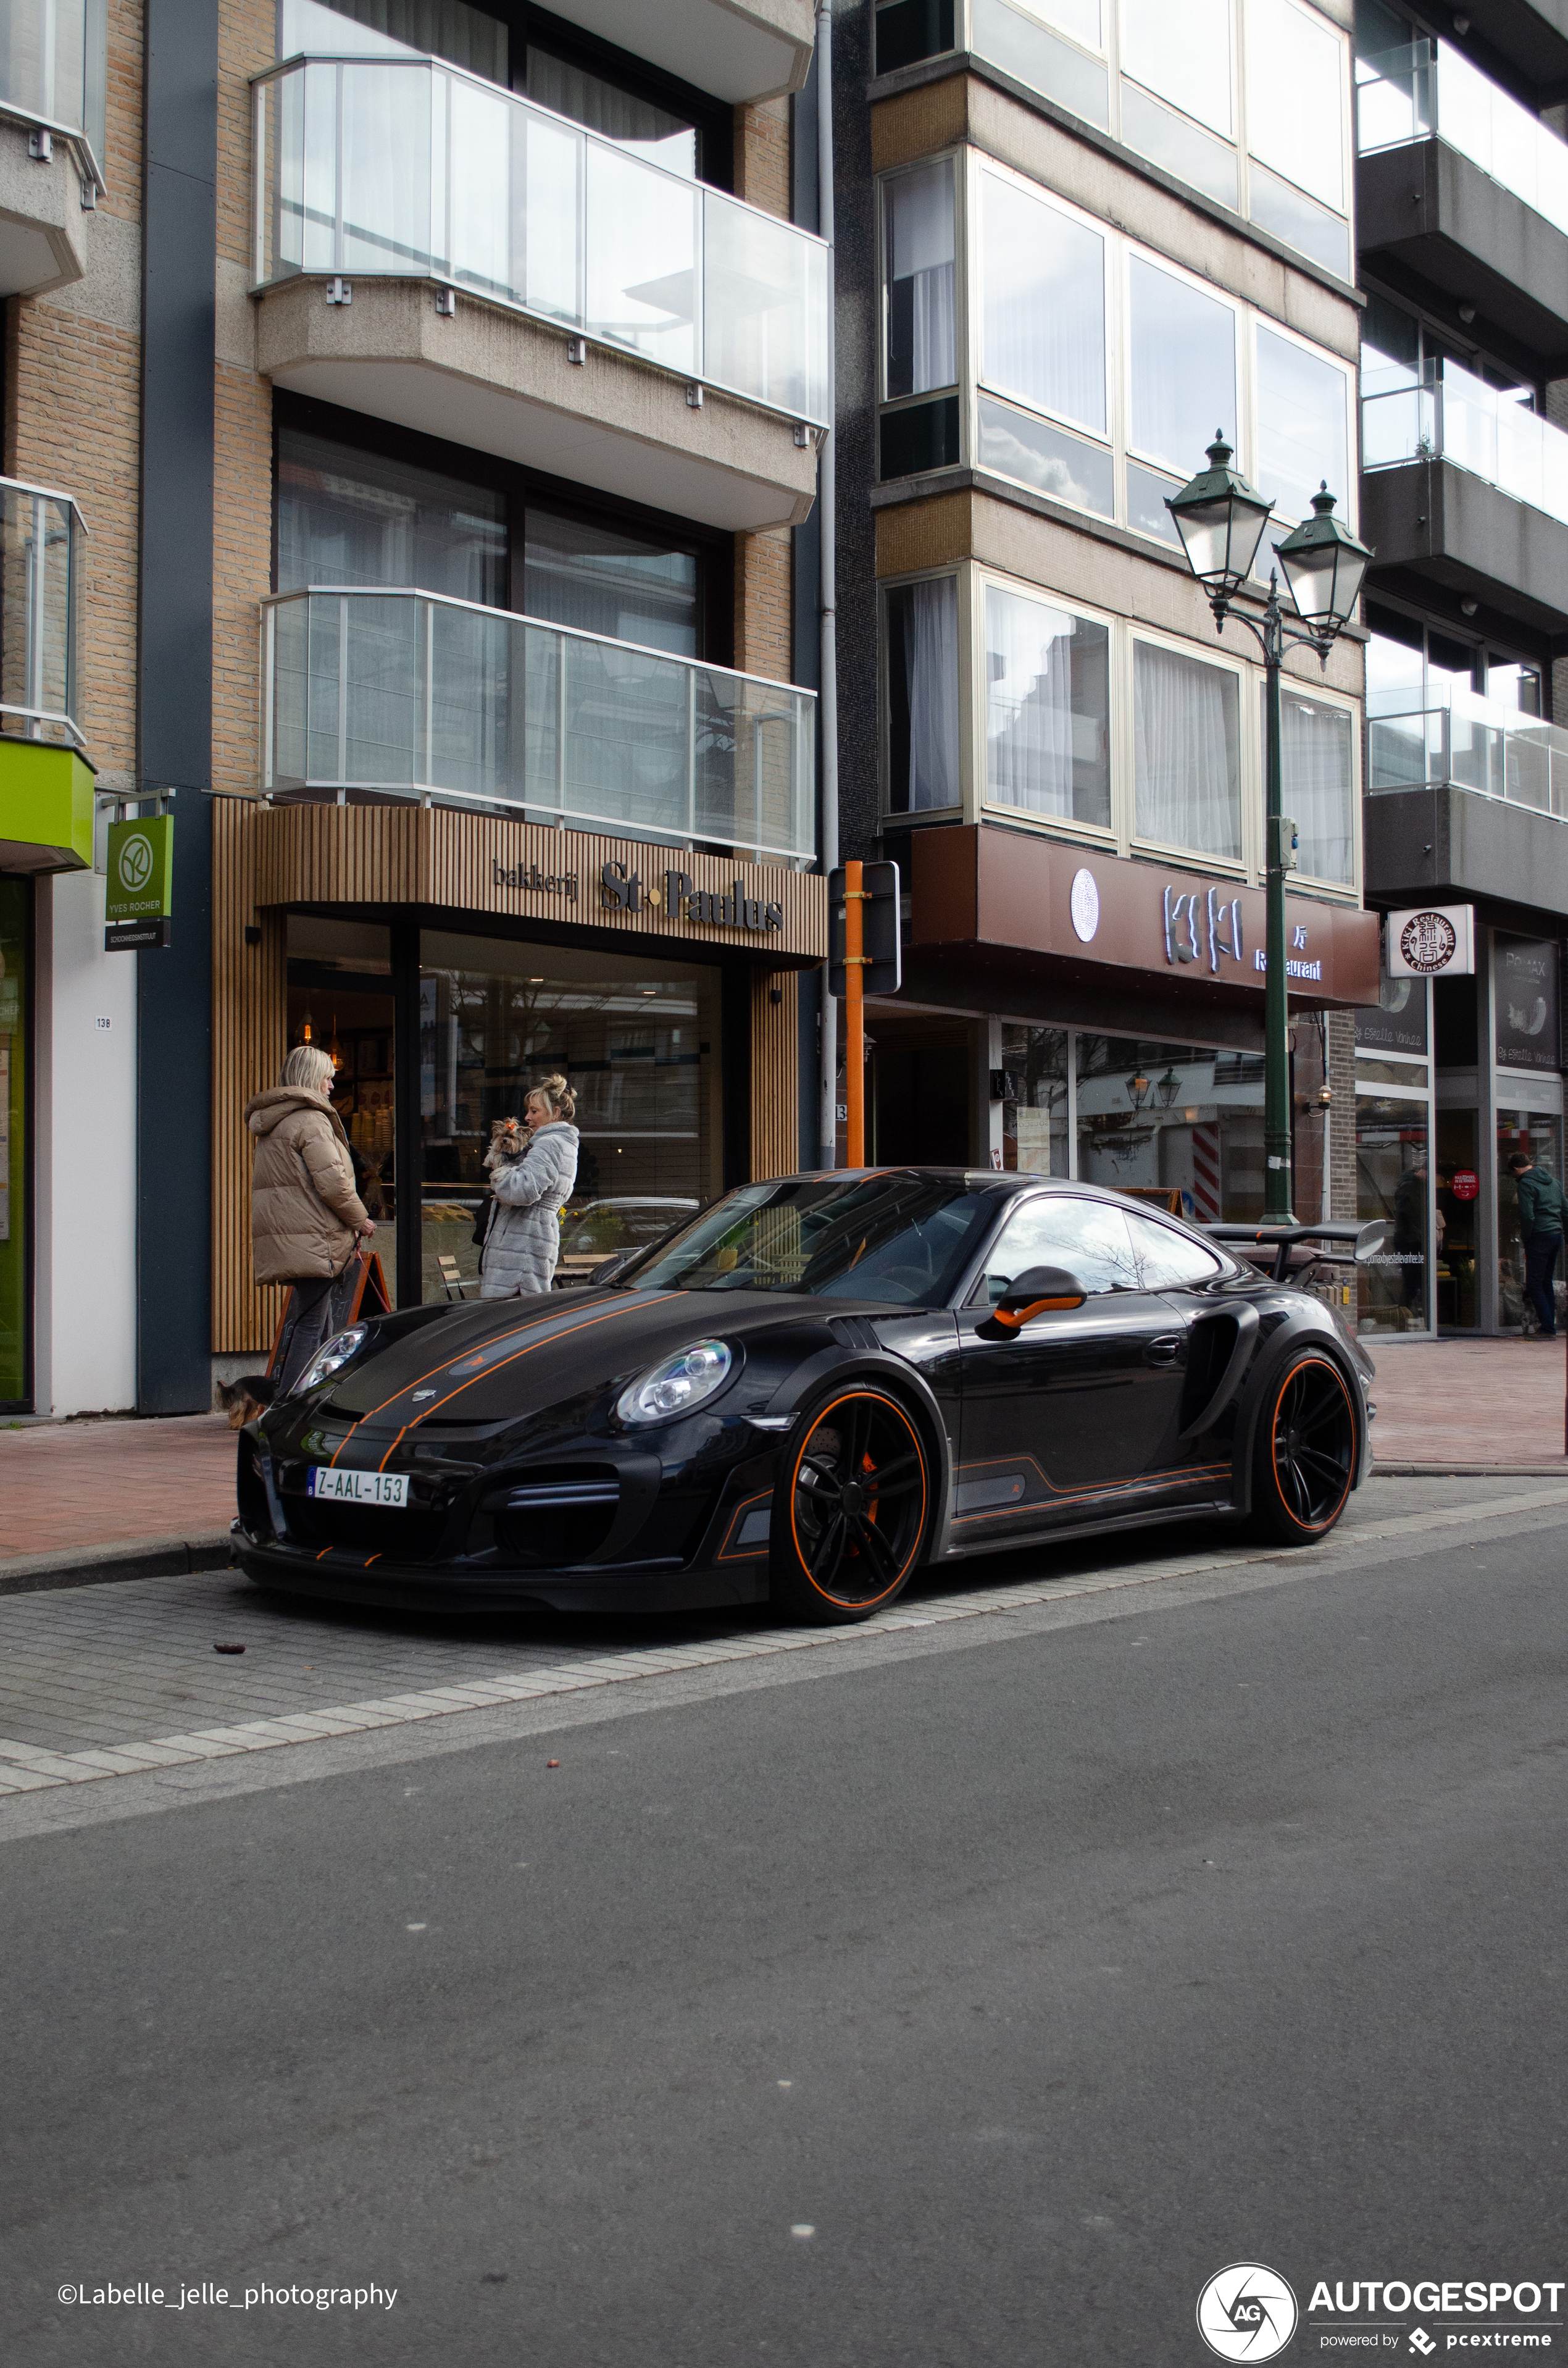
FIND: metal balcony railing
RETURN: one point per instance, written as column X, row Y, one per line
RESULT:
column 1474, row 743
column 53, row 66
column 410, row 695
column 1426, row 90
column 40, row 535
column 411, row 167
column 1449, row 414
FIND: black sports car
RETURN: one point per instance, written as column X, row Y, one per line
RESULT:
column 805, row 1394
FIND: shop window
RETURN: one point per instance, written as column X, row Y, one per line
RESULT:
column 1317, row 785
column 1047, row 710
column 16, row 897
column 1186, row 756
column 1034, row 1115
column 1392, row 1182
column 1526, row 1001
column 1178, row 1123
column 637, row 1039
column 1536, row 1136
column 923, row 694
column 339, row 990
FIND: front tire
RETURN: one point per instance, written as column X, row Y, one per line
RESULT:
column 1305, row 1457
column 852, row 1508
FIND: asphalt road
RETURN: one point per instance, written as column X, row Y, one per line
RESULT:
column 1038, row 1971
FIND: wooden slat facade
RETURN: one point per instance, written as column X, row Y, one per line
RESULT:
column 267, row 859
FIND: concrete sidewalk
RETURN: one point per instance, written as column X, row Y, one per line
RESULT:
column 124, row 1499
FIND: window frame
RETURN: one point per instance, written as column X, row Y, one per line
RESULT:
column 1121, row 837
column 970, row 163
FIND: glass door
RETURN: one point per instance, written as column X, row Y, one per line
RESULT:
column 1540, row 1138
column 1457, row 1224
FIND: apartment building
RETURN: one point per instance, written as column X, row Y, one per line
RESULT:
column 1075, row 238
column 1462, row 230
column 412, row 425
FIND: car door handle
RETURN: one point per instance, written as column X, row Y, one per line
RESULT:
column 1164, row 1351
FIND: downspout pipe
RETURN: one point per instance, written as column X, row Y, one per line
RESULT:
column 827, row 505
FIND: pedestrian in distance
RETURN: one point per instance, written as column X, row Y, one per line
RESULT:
column 306, row 1216
column 1543, row 1211
column 533, row 1168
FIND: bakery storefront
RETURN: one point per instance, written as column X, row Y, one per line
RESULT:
column 447, row 962
column 1106, row 1016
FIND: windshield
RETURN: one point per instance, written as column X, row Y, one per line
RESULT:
column 902, row 1240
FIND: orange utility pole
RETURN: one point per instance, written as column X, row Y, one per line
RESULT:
column 854, row 1015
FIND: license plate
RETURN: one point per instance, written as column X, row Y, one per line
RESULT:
column 359, row 1487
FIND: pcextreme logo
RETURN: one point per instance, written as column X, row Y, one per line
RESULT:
column 1246, row 2312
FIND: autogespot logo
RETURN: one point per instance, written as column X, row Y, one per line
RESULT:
column 1246, row 2312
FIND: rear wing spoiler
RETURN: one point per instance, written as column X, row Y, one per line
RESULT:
column 1364, row 1241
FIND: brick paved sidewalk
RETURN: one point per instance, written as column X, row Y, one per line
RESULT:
column 99, row 1484
column 1497, row 1404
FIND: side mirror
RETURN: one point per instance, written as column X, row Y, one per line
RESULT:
column 1037, row 1291
column 1370, row 1241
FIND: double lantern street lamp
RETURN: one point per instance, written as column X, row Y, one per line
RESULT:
column 1220, row 521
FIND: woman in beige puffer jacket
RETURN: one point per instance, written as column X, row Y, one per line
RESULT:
column 305, row 1213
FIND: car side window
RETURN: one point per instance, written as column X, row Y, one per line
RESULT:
column 1088, row 1237
column 1168, row 1261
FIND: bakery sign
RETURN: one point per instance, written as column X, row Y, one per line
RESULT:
column 622, row 890
column 1434, row 941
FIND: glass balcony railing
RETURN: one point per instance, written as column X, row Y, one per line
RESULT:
column 1475, row 744
column 40, row 538
column 405, row 694
column 1449, row 414
column 415, row 168
column 1426, row 90
column 54, row 62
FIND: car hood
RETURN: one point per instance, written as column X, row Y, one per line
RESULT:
column 509, row 1357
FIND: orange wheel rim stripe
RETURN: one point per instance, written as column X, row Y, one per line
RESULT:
column 894, row 1407
column 1329, row 1366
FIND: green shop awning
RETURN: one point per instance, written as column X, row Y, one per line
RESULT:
column 45, row 807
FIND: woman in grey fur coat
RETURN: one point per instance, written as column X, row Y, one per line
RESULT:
column 532, row 1171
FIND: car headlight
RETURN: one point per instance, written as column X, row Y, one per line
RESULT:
column 333, row 1357
column 676, row 1386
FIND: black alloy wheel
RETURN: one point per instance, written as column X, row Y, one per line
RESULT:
column 853, row 1501
column 1305, row 1462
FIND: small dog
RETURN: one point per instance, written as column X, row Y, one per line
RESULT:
column 509, row 1141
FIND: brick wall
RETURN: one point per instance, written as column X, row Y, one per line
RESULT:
column 1342, row 1125
column 764, row 630
column 73, row 411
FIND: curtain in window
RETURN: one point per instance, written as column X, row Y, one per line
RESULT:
column 923, row 696
column 1184, row 368
column 920, row 281
column 1028, row 720
column 437, row 29
column 1314, row 762
column 619, row 114
column 1186, row 751
column 1044, row 305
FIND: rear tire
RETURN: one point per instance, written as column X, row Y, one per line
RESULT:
column 1305, row 1453
column 851, row 1509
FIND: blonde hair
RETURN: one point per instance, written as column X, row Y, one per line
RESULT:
column 560, row 1099
column 309, row 1065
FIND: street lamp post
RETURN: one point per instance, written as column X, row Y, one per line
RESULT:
column 1220, row 521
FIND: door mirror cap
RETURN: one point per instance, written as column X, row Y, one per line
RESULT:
column 1039, row 1290
column 1372, row 1241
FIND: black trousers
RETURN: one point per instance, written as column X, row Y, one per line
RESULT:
column 310, row 1315
column 1540, row 1262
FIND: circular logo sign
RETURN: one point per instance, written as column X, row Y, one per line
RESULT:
column 1246, row 2312
column 1466, row 1184
column 1084, row 902
column 1428, row 941
column 135, row 861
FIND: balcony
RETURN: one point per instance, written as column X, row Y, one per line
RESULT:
column 52, row 59
column 497, row 276
column 1464, row 486
column 46, row 787
column 404, row 695
column 1460, row 185
column 1467, row 796
column 741, row 51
